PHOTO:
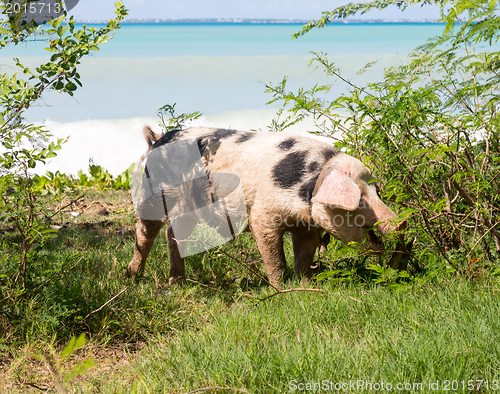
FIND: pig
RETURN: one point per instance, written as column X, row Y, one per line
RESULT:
column 290, row 183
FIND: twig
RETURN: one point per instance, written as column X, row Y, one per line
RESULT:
column 106, row 303
column 217, row 388
column 215, row 289
column 248, row 268
column 36, row 386
column 286, row 291
column 461, row 215
column 278, row 291
column 67, row 205
column 480, row 238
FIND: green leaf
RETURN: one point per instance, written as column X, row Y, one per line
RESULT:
column 71, row 86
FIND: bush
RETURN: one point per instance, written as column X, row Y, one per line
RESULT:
column 429, row 131
column 25, row 146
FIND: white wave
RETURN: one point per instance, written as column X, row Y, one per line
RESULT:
column 113, row 144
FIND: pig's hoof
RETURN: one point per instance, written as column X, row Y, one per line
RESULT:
column 173, row 280
column 128, row 273
column 132, row 272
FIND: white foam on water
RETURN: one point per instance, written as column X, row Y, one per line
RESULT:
column 113, row 144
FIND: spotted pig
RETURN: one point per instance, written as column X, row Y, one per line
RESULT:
column 289, row 183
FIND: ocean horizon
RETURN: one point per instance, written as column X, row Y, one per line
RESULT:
column 219, row 69
column 239, row 21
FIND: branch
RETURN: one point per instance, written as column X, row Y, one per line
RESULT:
column 36, row 386
column 67, row 205
column 217, row 388
column 248, row 268
column 352, row 9
column 287, row 291
column 278, row 291
column 480, row 238
column 218, row 290
column 106, row 303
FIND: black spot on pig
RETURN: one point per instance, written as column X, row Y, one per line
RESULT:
column 170, row 136
column 193, row 194
column 224, row 133
column 202, row 143
column 245, row 137
column 313, row 167
column 287, row 144
column 328, row 153
column 200, row 192
column 306, row 189
column 290, row 170
column 220, row 134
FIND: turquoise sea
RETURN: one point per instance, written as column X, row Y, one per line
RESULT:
column 217, row 69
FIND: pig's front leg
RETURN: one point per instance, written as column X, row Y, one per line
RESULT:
column 146, row 232
column 304, row 247
column 176, row 241
column 177, row 268
column 270, row 243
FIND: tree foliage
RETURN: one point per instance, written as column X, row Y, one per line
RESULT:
column 352, row 9
column 26, row 145
column 428, row 129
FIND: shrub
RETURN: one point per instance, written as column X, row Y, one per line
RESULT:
column 429, row 131
column 26, row 145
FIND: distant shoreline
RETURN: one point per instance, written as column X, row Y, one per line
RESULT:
column 238, row 21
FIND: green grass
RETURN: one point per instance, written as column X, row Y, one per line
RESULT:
column 209, row 332
column 431, row 333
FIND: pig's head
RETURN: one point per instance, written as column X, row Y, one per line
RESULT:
column 347, row 205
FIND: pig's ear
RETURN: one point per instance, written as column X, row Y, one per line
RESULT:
column 338, row 190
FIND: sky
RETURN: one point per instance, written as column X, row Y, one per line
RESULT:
column 247, row 9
